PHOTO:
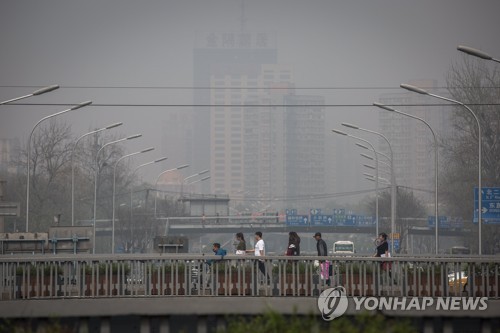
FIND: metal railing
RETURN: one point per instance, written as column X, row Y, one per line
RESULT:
column 170, row 275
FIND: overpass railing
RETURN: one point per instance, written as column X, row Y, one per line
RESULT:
column 171, row 275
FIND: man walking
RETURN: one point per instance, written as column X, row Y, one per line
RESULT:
column 260, row 251
column 323, row 252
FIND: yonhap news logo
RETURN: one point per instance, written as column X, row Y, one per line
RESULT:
column 333, row 303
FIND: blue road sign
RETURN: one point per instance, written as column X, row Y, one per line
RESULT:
column 490, row 204
column 366, row 221
column 339, row 216
column 315, row 211
column 297, row 220
column 443, row 221
column 351, row 220
column 396, row 244
column 321, row 220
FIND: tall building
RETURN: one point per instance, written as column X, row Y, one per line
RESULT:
column 252, row 152
column 232, row 125
column 266, row 152
column 411, row 140
column 230, row 59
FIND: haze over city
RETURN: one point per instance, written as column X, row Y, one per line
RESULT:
column 140, row 64
column 249, row 165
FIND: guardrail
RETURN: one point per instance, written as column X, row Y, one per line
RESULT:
column 170, row 275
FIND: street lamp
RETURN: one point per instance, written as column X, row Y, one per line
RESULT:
column 380, row 162
column 476, row 53
column 73, row 166
column 76, row 107
column 374, row 167
column 35, row 93
column 377, row 152
column 372, row 178
column 192, row 176
column 367, row 156
column 479, row 192
column 162, row 173
column 97, row 174
column 133, row 172
column 387, row 108
column 114, row 187
column 393, row 179
column 199, row 180
column 376, row 171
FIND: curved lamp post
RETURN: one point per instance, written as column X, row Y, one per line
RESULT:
column 476, row 53
column 114, row 188
column 34, row 93
column 97, row 174
column 73, row 166
column 387, row 108
column 161, row 174
column 198, row 180
column 192, row 176
column 135, row 170
column 380, row 162
column 76, row 107
column 371, row 177
column 479, row 192
column 376, row 170
column 393, row 179
column 377, row 152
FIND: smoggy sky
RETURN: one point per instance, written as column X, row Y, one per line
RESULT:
column 108, row 43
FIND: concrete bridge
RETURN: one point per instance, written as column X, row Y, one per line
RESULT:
column 170, row 292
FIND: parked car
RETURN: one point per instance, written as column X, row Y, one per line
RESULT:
column 457, row 282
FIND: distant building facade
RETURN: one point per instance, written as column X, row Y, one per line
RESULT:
column 252, row 152
column 234, row 58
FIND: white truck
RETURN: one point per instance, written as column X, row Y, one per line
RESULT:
column 343, row 247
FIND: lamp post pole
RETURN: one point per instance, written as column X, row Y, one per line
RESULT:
column 114, row 191
column 479, row 192
column 378, row 153
column 73, row 166
column 376, row 172
column 436, row 206
column 198, row 180
column 76, row 107
column 371, row 177
column 371, row 158
column 192, row 176
column 161, row 174
column 35, row 93
column 133, row 172
column 95, row 180
column 393, row 179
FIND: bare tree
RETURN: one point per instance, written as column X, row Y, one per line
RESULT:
column 410, row 211
column 474, row 83
column 50, row 151
column 50, row 176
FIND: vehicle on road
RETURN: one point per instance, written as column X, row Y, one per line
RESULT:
column 343, row 247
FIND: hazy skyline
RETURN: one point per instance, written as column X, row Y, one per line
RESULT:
column 357, row 50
